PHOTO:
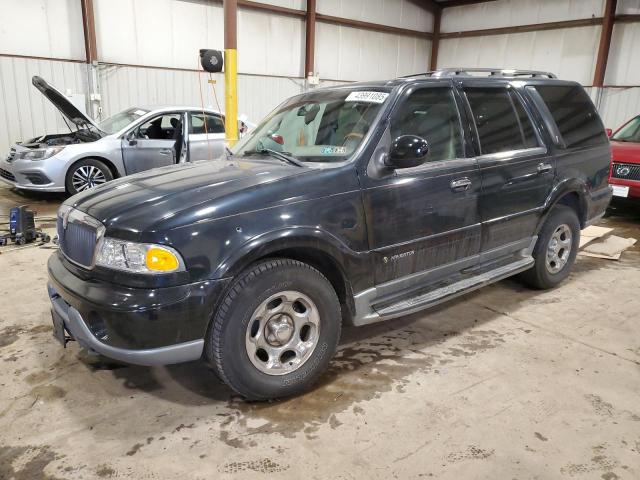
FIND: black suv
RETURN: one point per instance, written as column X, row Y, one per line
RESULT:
column 352, row 204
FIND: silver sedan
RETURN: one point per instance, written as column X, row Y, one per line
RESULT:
column 137, row 139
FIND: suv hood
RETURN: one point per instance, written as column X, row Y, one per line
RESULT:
column 627, row 152
column 169, row 197
column 62, row 103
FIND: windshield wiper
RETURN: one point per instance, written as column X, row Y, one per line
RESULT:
column 287, row 158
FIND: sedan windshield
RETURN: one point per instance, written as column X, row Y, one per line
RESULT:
column 120, row 120
column 323, row 126
column 630, row 132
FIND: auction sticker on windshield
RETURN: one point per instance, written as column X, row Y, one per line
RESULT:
column 371, row 97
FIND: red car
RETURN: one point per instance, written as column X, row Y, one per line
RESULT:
column 624, row 175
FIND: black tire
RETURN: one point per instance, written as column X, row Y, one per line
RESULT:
column 104, row 174
column 226, row 346
column 540, row 275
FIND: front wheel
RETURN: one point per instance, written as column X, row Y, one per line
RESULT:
column 556, row 249
column 275, row 331
column 86, row 174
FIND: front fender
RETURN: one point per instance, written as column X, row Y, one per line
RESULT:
column 289, row 238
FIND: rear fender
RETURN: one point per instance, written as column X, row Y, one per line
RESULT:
column 571, row 186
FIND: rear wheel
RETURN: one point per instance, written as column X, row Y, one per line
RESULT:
column 556, row 249
column 87, row 174
column 275, row 331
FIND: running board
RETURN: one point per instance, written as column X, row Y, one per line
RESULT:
column 442, row 294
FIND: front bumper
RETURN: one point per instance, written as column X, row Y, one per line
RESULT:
column 30, row 175
column 155, row 326
column 634, row 186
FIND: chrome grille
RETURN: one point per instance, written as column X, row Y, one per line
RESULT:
column 79, row 239
column 626, row 171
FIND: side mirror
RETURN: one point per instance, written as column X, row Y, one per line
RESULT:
column 609, row 132
column 131, row 138
column 407, row 151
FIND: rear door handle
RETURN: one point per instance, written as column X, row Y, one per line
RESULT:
column 460, row 184
column 544, row 168
column 165, row 151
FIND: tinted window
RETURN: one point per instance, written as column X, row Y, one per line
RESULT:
column 214, row 124
column 524, row 123
column 574, row 114
column 501, row 121
column 431, row 113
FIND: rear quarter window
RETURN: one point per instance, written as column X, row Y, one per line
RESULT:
column 575, row 115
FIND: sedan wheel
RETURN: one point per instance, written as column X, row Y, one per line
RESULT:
column 87, row 176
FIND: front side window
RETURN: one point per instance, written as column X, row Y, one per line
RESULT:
column 322, row 126
column 430, row 113
column 629, row 133
column 162, row 127
column 574, row 114
column 501, row 121
column 198, row 122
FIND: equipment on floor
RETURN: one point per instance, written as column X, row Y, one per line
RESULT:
column 22, row 227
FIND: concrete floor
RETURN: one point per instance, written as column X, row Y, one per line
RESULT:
column 502, row 383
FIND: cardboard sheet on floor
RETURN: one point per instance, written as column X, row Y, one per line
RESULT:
column 589, row 234
column 610, row 248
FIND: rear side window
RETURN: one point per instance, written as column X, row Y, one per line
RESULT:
column 501, row 121
column 574, row 114
column 213, row 123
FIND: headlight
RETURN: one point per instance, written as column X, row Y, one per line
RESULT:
column 39, row 153
column 138, row 257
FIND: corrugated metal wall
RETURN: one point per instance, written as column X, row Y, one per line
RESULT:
column 44, row 28
column 146, row 48
column 346, row 53
column 395, row 13
column 619, row 105
column 24, row 112
column 570, row 53
column 167, row 34
column 122, row 87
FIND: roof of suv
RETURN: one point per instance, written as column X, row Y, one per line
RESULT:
column 480, row 73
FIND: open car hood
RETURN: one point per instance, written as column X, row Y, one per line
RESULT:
column 62, row 103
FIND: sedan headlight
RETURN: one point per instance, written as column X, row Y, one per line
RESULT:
column 39, row 153
column 138, row 257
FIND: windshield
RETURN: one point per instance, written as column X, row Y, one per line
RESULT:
column 322, row 126
column 629, row 133
column 120, row 120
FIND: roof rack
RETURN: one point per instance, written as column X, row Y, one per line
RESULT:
column 493, row 72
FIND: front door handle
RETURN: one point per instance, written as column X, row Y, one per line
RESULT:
column 544, row 168
column 460, row 184
column 165, row 151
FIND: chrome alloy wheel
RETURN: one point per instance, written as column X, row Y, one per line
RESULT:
column 559, row 249
column 87, row 176
column 282, row 333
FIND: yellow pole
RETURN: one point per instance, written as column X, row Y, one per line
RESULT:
column 231, row 70
column 231, row 95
